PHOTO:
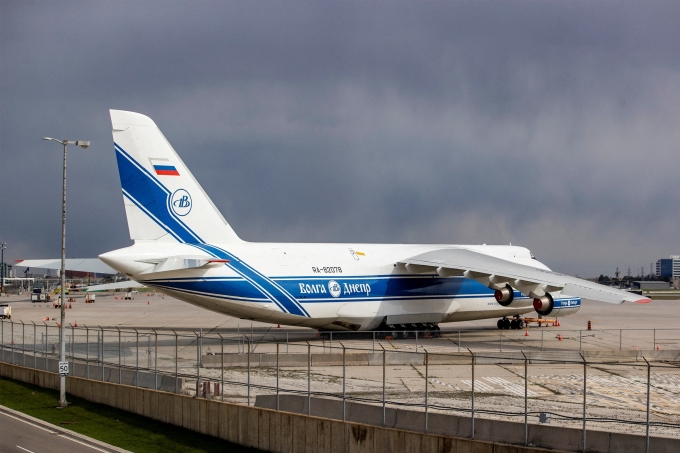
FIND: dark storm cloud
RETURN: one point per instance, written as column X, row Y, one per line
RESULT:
column 548, row 124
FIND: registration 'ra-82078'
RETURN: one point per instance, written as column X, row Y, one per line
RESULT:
column 327, row 270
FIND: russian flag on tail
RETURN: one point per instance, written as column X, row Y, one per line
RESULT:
column 162, row 167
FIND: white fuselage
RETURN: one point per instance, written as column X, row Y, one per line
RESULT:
column 323, row 286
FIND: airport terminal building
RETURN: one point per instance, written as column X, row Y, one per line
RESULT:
column 668, row 267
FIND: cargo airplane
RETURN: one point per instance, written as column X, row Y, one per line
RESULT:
column 185, row 248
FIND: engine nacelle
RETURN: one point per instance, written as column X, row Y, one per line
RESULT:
column 556, row 307
column 506, row 297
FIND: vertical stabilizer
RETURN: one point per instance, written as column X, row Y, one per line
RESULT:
column 163, row 201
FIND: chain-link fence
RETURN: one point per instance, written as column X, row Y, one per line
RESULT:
column 437, row 383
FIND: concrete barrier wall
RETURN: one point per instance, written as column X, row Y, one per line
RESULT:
column 448, row 425
column 265, row 429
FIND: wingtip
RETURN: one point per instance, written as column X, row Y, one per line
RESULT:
column 643, row 301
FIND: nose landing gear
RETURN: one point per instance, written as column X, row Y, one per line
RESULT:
column 516, row 323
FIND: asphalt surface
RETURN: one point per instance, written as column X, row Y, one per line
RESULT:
column 21, row 435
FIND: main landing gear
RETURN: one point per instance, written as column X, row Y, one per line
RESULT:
column 516, row 323
column 424, row 330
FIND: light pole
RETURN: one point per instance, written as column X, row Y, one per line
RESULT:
column 3, row 246
column 62, row 339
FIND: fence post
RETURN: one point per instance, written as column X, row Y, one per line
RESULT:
column 620, row 338
column 585, row 369
column 383, row 384
column 286, row 342
column 277, row 376
column 155, row 360
column 542, row 331
column 248, row 372
column 472, row 412
column 87, row 352
column 526, row 393
column 654, row 342
column 137, row 358
column 12, row 340
column 417, row 341
column 102, row 331
column 23, row 340
column 649, row 385
column 459, row 341
column 2, row 338
column 73, row 351
column 46, row 341
column 119, row 369
column 500, row 336
column 222, row 367
column 176, row 362
column 198, row 369
column 35, row 357
column 309, row 379
column 343, row 383
column 427, row 375
column 373, row 350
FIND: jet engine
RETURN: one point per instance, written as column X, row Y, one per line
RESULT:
column 505, row 296
column 546, row 306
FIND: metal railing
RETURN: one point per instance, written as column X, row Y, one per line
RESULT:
column 474, row 374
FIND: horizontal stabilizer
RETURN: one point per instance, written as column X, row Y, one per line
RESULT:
column 127, row 284
column 94, row 265
column 176, row 263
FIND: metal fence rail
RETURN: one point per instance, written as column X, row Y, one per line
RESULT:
column 505, row 379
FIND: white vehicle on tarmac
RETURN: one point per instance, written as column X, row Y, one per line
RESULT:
column 5, row 311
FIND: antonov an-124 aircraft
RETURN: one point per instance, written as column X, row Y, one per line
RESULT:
column 185, row 248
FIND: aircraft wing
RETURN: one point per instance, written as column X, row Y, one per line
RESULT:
column 118, row 285
column 94, row 265
column 492, row 271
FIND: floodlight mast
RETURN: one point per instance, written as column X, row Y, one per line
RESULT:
column 62, row 331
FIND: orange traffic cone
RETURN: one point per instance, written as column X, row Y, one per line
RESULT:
column 70, row 306
column 278, row 326
column 148, row 303
column 75, row 324
column 46, row 319
column 658, row 348
column 526, row 334
column 636, row 348
column 559, row 337
column 58, row 324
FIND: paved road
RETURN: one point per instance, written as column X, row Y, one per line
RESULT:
column 24, row 436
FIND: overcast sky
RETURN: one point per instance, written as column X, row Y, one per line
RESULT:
column 552, row 125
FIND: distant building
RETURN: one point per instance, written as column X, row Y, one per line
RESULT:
column 668, row 267
column 651, row 286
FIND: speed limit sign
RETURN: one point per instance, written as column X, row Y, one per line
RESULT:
column 63, row 368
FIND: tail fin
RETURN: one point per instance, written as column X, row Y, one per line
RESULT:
column 163, row 201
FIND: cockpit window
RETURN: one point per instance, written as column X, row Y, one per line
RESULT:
column 532, row 255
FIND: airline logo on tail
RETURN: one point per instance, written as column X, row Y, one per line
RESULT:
column 181, row 202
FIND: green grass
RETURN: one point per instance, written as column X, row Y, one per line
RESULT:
column 113, row 426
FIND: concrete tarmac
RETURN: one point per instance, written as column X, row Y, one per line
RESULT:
column 153, row 310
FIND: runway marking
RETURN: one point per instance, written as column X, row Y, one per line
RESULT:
column 437, row 381
column 28, row 423
column 62, row 435
column 24, row 449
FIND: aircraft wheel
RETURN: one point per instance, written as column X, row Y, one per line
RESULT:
column 520, row 324
column 500, row 323
column 506, row 323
